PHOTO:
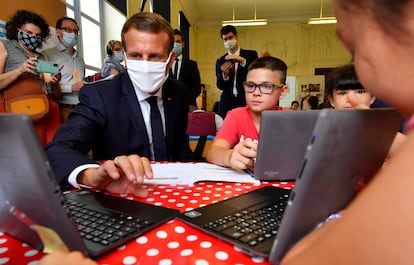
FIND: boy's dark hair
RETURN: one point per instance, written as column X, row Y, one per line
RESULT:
column 342, row 78
column 313, row 102
column 22, row 17
column 293, row 102
column 227, row 29
column 271, row 63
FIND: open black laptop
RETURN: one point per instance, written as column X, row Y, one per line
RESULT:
column 346, row 148
column 33, row 209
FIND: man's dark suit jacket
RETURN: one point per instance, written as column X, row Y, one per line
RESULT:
column 190, row 75
column 227, row 100
column 109, row 122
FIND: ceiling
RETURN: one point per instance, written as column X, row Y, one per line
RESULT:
column 212, row 12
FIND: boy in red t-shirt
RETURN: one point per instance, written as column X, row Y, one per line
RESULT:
column 235, row 145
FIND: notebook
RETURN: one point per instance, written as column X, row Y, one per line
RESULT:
column 283, row 138
column 34, row 210
column 346, row 148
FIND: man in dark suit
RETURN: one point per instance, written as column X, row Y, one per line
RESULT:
column 185, row 70
column 232, row 64
column 136, row 117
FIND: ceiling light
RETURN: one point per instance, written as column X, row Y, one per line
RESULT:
column 321, row 19
column 245, row 22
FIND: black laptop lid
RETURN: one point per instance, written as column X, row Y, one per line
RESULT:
column 347, row 148
column 283, row 138
column 31, row 200
column 29, row 194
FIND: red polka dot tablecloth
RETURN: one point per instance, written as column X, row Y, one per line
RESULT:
column 171, row 243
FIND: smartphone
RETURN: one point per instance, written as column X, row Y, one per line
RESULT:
column 47, row 67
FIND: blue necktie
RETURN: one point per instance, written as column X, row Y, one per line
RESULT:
column 158, row 139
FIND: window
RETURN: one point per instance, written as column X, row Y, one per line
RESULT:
column 88, row 15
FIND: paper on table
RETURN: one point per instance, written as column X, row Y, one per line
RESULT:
column 189, row 173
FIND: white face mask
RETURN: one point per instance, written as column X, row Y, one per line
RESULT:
column 147, row 76
column 230, row 44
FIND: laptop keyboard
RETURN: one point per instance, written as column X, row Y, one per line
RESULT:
column 253, row 225
column 104, row 228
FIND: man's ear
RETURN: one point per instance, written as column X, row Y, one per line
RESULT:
column 58, row 33
column 283, row 92
column 331, row 101
column 372, row 100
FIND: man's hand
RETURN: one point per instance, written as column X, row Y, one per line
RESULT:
column 225, row 68
column 237, row 58
column 76, row 87
column 124, row 174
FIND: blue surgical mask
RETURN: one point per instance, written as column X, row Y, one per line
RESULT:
column 118, row 56
column 178, row 48
column 69, row 39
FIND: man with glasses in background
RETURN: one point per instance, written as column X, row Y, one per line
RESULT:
column 70, row 61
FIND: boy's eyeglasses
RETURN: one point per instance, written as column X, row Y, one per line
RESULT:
column 265, row 88
column 70, row 30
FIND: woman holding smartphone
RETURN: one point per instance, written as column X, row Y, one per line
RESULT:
column 25, row 33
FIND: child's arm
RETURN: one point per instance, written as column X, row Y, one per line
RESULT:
column 240, row 157
column 397, row 142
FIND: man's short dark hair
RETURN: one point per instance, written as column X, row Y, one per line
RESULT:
column 178, row 32
column 60, row 21
column 149, row 22
column 227, row 29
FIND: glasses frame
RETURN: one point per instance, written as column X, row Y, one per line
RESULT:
column 262, row 87
column 70, row 30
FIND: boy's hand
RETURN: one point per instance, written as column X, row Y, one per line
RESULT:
column 243, row 155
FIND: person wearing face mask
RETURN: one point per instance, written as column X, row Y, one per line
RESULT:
column 186, row 70
column 25, row 33
column 71, row 62
column 116, row 117
column 231, row 71
column 112, row 63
